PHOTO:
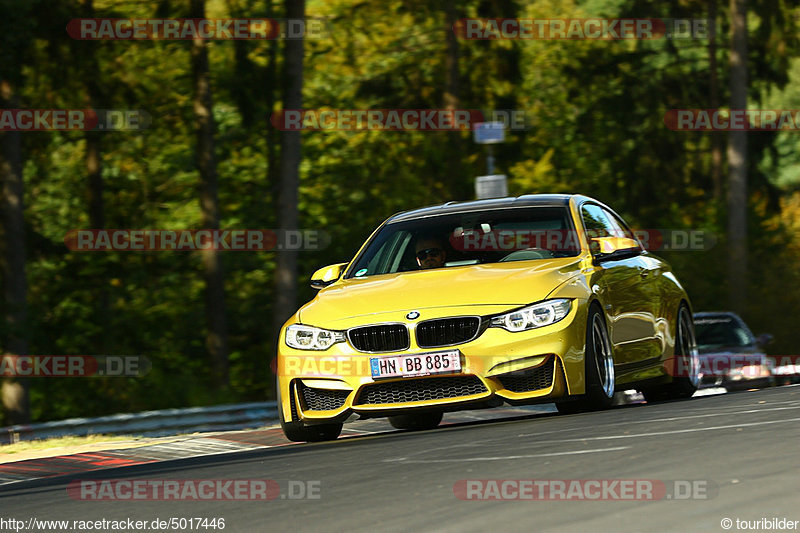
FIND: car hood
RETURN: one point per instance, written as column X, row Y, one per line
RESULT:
column 499, row 285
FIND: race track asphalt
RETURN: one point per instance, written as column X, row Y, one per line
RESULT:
column 740, row 452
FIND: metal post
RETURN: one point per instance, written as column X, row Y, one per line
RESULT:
column 491, row 185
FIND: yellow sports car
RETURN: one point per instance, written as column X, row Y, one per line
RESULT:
column 535, row 299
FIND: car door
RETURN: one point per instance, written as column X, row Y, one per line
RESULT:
column 620, row 288
column 649, row 311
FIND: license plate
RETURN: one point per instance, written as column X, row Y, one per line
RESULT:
column 415, row 365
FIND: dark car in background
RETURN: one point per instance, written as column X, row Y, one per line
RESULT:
column 730, row 355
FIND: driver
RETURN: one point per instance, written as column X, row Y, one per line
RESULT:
column 429, row 253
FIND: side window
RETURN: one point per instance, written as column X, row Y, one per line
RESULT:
column 622, row 229
column 596, row 222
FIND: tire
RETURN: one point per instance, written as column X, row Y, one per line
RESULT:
column 600, row 375
column 296, row 431
column 686, row 357
column 417, row 421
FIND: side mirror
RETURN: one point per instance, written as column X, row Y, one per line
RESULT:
column 327, row 275
column 764, row 339
column 611, row 248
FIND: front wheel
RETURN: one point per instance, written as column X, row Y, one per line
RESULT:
column 600, row 375
column 297, row 431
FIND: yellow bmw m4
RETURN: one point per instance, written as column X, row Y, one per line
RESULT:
column 534, row 299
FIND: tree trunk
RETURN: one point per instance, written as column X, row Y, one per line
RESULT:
column 737, row 161
column 95, row 186
column 244, row 85
column 461, row 187
column 713, row 89
column 272, row 133
column 452, row 93
column 288, row 219
column 15, row 287
column 94, row 169
column 217, row 335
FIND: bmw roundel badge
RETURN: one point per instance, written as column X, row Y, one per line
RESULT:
column 413, row 315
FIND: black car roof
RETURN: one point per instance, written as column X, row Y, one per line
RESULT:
column 528, row 200
column 717, row 314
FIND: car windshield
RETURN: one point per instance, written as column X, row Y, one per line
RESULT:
column 721, row 331
column 470, row 238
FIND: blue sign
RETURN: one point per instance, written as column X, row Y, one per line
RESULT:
column 489, row 132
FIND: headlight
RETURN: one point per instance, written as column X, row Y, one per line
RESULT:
column 534, row 316
column 311, row 338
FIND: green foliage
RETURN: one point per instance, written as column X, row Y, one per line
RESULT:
column 594, row 111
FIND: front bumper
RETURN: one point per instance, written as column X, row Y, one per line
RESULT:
column 727, row 370
column 539, row 365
